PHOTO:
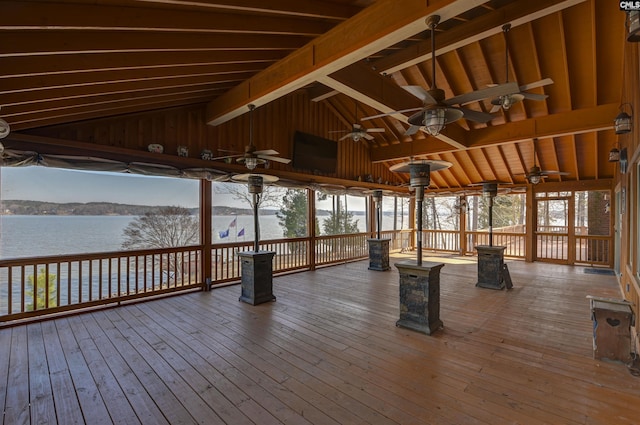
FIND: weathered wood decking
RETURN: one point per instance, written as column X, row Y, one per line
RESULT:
column 327, row 352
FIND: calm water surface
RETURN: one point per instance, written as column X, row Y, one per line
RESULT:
column 37, row 235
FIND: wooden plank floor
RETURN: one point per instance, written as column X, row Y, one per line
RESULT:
column 327, row 352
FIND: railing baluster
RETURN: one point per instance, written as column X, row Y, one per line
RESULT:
column 10, row 290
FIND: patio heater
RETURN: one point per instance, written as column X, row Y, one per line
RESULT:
column 491, row 267
column 420, row 282
column 489, row 191
column 419, row 179
column 256, row 265
column 378, row 248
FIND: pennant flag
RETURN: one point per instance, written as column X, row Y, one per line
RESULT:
column 224, row 234
column 241, row 232
column 233, row 223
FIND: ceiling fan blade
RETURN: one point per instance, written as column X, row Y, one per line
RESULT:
column 346, row 136
column 375, row 130
column 274, row 158
column 473, row 96
column 420, row 93
column 266, row 152
column 339, row 131
column 536, row 84
column 555, row 173
column 227, row 156
column 401, row 111
column 534, row 96
column 413, row 129
column 495, row 109
column 368, row 136
column 476, row 116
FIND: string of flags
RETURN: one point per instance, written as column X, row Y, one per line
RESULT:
column 225, row 233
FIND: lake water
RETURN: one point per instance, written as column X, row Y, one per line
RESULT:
column 37, row 235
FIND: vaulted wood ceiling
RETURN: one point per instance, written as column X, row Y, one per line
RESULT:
column 70, row 61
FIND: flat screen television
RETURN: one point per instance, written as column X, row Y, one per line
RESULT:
column 314, row 153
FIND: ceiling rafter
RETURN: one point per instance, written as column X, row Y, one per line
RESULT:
column 25, row 84
column 316, row 8
column 524, row 166
column 58, row 42
column 463, row 170
column 516, row 12
column 79, row 92
column 505, row 163
column 79, row 16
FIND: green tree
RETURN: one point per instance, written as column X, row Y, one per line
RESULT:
column 340, row 221
column 38, row 293
column 292, row 215
column 167, row 227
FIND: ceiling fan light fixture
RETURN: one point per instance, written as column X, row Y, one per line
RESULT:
column 356, row 137
column 251, row 163
column 5, row 129
column 534, row 178
column 435, row 120
column 506, row 101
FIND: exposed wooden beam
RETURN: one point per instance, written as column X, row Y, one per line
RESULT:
column 575, row 122
column 375, row 28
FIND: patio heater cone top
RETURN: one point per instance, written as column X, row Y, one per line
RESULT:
column 434, row 165
column 266, row 178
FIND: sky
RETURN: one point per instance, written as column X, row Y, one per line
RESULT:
column 60, row 185
column 57, row 185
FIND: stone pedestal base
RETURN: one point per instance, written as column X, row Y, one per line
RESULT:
column 420, row 296
column 379, row 254
column 490, row 266
column 257, row 277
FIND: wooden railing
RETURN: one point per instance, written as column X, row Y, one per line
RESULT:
column 515, row 242
column 552, row 246
column 44, row 285
column 340, row 248
column 291, row 254
column 31, row 287
column 39, row 286
column 594, row 250
column 441, row 240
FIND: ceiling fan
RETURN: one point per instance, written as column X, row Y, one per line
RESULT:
column 506, row 100
column 253, row 157
column 358, row 132
column 437, row 111
column 536, row 174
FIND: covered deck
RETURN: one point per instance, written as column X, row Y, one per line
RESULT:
column 327, row 352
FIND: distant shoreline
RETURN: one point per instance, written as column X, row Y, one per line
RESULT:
column 42, row 208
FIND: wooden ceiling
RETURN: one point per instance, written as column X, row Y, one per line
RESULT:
column 70, row 61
